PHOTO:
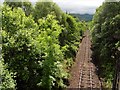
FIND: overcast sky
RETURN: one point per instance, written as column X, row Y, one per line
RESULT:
column 77, row 6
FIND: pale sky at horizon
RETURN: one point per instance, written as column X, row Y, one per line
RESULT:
column 79, row 6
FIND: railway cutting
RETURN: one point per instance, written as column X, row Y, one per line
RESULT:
column 83, row 72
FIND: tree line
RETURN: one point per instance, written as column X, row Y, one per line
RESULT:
column 106, row 40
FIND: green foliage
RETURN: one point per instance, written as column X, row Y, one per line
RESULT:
column 83, row 17
column 39, row 53
column 25, row 5
column 90, row 25
column 105, row 35
column 13, row 3
column 18, row 50
column 6, row 77
column 71, row 34
column 53, row 71
column 45, row 7
column 32, row 50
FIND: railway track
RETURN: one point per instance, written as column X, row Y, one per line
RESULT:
column 88, row 78
column 84, row 71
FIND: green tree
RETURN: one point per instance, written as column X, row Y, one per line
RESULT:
column 32, row 51
column 24, row 4
column 71, row 34
column 17, row 50
column 6, row 77
column 35, row 51
column 42, row 9
column 53, row 69
column 104, row 34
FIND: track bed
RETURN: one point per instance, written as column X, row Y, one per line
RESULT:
column 83, row 73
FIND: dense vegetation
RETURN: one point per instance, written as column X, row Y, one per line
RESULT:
column 106, row 39
column 83, row 17
column 39, row 44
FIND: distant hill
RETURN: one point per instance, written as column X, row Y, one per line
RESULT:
column 85, row 17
